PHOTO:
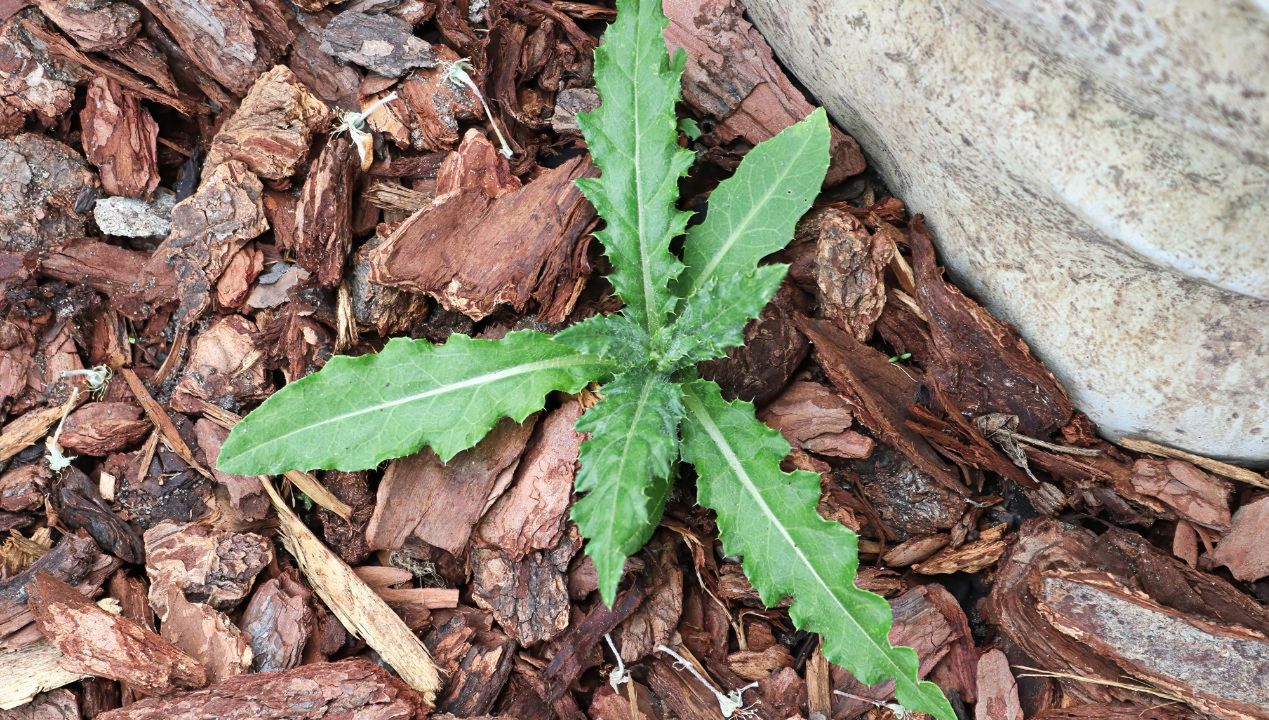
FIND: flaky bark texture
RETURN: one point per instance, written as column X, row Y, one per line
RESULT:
column 120, row 138
column 349, row 690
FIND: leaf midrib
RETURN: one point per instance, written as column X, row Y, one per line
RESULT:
column 503, row 374
column 715, row 434
column 651, row 317
column 734, row 237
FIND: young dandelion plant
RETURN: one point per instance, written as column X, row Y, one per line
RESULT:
column 655, row 409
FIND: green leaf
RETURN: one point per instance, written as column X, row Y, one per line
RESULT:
column 625, row 469
column 358, row 411
column 752, row 213
column 633, row 138
column 615, row 338
column 768, row 516
column 713, row 319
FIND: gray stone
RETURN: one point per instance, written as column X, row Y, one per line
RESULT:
column 1096, row 173
column 131, row 217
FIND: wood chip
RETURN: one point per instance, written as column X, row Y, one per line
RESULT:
column 32, row 80
column 278, row 620
column 360, row 610
column 969, row 558
column 223, row 368
column 439, row 503
column 217, row 36
column 95, row 25
column 323, row 233
column 207, row 565
column 1208, row 464
column 271, row 130
column 348, row 690
column 41, row 182
column 1185, row 490
column 814, row 418
column 380, row 43
column 850, row 267
column 202, row 632
column 997, row 689
column 100, row 428
column 95, row 642
column 1243, row 550
column 120, row 138
column 530, row 515
column 29, row 671
column 475, row 247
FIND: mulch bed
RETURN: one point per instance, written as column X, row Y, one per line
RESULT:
column 174, row 207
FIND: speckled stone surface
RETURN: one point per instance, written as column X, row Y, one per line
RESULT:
column 1097, row 174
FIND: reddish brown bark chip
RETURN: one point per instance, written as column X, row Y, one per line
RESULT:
column 440, row 503
column 528, row 597
column 271, row 130
column 850, row 268
column 104, row 427
column 981, row 365
column 474, row 250
column 428, row 108
column 31, row 80
column 53, row 705
column 96, row 642
column 207, row 565
column 732, row 75
column 207, row 635
column 94, row 24
column 814, row 418
column 207, row 228
column 530, row 515
column 1185, row 490
column 324, row 213
column 348, row 690
column 120, row 138
column 221, row 370
column 218, row 37
column 41, row 183
column 1244, row 549
column 997, row 689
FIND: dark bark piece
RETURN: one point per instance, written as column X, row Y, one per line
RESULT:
column 386, row 310
column 278, row 620
column 165, row 488
column 218, row 37
column 79, row 505
column 578, row 645
column 814, row 418
column 658, row 616
column 528, row 596
column 221, row 216
column 335, row 83
column 881, row 395
column 440, row 503
column 348, row 690
column 121, row 139
column 220, row 371
column 997, row 689
column 98, row 643
column 383, row 43
column 348, row 537
column 1114, row 606
column 774, row 348
column 1244, row 550
column 980, row 365
column 323, row 216
column 680, row 693
column 32, row 81
column 23, row 487
column 850, row 268
column 474, row 251
column 42, row 183
column 530, row 515
column 101, row 428
column 95, row 25
column 1184, row 490
column 732, row 75
column 480, row 676
column 271, row 130
column 203, row 633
